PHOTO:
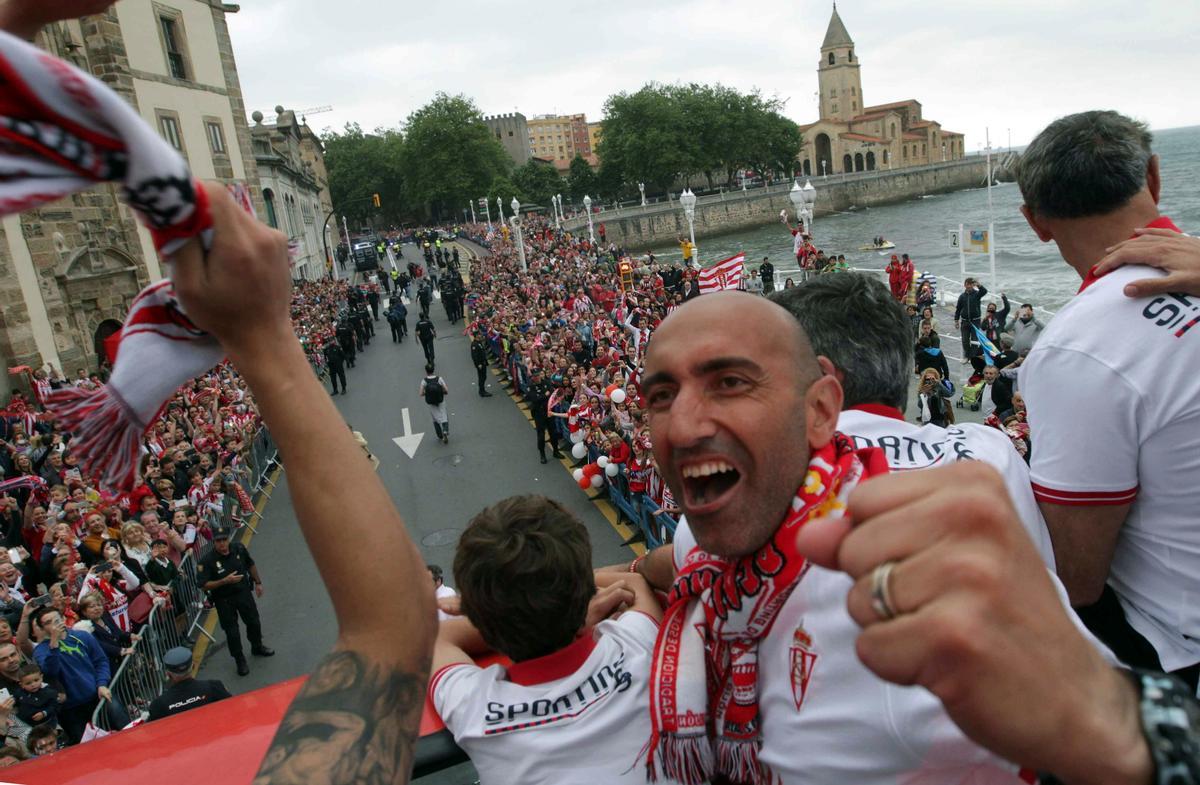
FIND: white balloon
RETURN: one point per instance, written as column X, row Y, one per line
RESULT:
column 602, row 461
column 618, row 395
column 612, row 469
column 577, row 474
column 577, row 436
column 597, row 480
column 579, row 450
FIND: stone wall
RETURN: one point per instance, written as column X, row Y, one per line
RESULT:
column 660, row 224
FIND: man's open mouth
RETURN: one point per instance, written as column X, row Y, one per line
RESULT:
column 706, row 484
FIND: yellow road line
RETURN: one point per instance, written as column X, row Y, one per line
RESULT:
column 210, row 625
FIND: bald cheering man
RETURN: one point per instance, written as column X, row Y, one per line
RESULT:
column 743, row 425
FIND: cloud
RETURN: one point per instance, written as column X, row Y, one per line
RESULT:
column 974, row 64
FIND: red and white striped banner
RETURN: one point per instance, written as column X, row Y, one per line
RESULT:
column 726, row 274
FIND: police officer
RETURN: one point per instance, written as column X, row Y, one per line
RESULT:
column 228, row 574
column 425, row 297
column 538, row 396
column 373, row 300
column 767, row 271
column 345, row 338
column 184, row 693
column 334, row 361
column 479, row 358
column 426, row 332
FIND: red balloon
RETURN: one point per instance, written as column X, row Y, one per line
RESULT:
column 585, row 483
column 608, row 390
column 591, row 469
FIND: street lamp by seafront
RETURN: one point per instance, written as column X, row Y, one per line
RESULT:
column 809, row 195
column 487, row 211
column 823, row 172
column 796, row 197
column 642, row 189
column 556, row 200
column 516, row 223
column 688, row 200
column 500, row 207
column 587, row 206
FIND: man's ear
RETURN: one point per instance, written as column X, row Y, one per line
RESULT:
column 822, row 405
column 1041, row 231
column 1153, row 179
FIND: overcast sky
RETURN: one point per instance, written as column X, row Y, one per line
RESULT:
column 1009, row 65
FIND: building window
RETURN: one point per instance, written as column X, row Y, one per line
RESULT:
column 854, row 105
column 923, row 150
column 851, row 55
column 893, row 130
column 168, row 126
column 904, row 152
column 853, row 90
column 835, row 108
column 216, row 136
column 171, row 36
column 272, row 216
column 831, row 58
column 509, row 133
column 833, row 93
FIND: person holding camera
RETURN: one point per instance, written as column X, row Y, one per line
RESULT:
column 933, row 399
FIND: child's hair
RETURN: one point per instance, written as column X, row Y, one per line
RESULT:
column 29, row 669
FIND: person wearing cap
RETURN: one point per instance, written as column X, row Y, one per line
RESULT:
column 184, row 692
column 228, row 574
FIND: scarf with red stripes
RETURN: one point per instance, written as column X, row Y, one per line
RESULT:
column 62, row 131
column 704, row 676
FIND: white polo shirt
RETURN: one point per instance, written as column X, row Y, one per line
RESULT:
column 826, row 717
column 1113, row 394
column 580, row 715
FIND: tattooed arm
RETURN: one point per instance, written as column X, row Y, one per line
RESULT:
column 356, row 719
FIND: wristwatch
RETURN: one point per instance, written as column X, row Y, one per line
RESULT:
column 1170, row 715
column 1171, row 723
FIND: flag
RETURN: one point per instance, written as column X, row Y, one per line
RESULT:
column 725, row 274
column 989, row 348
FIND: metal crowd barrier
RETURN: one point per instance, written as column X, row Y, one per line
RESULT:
column 140, row 677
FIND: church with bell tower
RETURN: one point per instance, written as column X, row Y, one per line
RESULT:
column 850, row 135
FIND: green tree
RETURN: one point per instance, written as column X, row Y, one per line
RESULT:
column 361, row 165
column 581, row 180
column 503, row 189
column 538, row 181
column 645, row 139
column 449, row 155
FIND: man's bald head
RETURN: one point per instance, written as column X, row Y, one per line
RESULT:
column 736, row 403
column 739, row 310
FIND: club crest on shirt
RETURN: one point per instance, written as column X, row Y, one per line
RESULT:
column 804, row 660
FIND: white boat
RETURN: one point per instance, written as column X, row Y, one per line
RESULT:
column 887, row 246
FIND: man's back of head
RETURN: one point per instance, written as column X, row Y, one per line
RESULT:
column 524, row 570
column 854, row 321
column 1084, row 165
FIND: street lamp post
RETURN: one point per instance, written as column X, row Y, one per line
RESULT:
column 809, row 195
column 642, row 189
column 516, row 223
column 500, row 207
column 943, row 152
column 823, row 172
column 796, row 197
column 487, row 211
column 688, row 200
column 587, row 206
column 472, row 206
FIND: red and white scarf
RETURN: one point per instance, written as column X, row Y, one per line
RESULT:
column 63, row 131
column 704, row 678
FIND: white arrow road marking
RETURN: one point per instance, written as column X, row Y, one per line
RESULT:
column 410, row 441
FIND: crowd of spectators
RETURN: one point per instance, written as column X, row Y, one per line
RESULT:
column 85, row 564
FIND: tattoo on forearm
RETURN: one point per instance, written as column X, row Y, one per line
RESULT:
column 354, row 721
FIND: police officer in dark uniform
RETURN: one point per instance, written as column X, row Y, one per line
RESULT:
column 334, row 362
column 537, row 396
column 767, row 271
column 229, row 576
column 479, row 358
column 425, row 297
column 345, row 338
column 184, row 693
column 373, row 301
column 426, row 332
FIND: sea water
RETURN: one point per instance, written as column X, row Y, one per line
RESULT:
column 1026, row 269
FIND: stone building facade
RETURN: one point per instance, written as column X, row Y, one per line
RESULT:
column 559, row 138
column 852, row 136
column 512, row 132
column 295, row 186
column 69, row 270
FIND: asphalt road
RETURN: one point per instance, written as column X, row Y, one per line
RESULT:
column 492, row 454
